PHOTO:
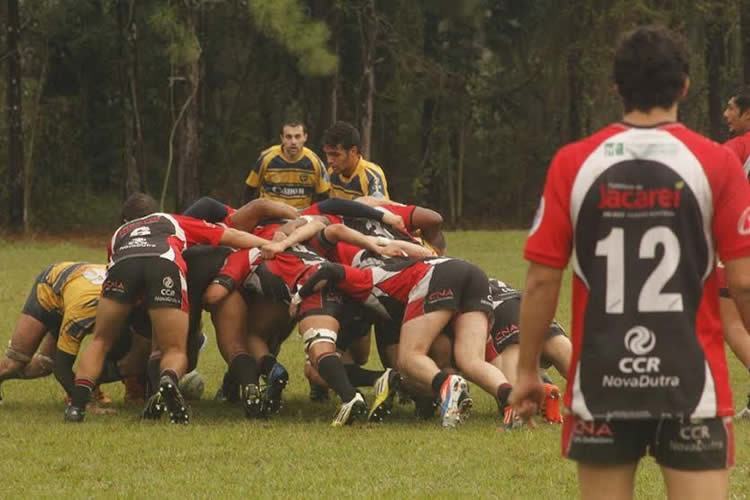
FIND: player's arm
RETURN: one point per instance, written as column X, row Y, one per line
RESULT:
column 304, row 231
column 734, row 330
column 240, row 239
column 63, row 370
column 738, row 279
column 250, row 214
column 430, row 223
column 412, row 250
column 373, row 201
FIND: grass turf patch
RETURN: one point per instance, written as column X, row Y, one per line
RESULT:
column 296, row 454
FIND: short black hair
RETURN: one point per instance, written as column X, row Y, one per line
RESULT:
column 343, row 134
column 138, row 205
column 650, row 68
column 293, row 123
column 742, row 99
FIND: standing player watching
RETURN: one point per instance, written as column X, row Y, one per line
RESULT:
column 737, row 116
column 644, row 206
column 351, row 175
column 146, row 263
column 288, row 172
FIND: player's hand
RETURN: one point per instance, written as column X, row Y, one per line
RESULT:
column 527, row 395
column 391, row 250
column 278, row 236
column 270, row 250
column 395, row 221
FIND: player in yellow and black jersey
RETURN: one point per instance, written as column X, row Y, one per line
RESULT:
column 351, row 175
column 288, row 172
column 59, row 312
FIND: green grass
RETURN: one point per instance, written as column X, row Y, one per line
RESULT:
column 295, row 455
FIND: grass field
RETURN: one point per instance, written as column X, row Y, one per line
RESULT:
column 297, row 454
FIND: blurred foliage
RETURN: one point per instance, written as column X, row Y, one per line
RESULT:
column 512, row 79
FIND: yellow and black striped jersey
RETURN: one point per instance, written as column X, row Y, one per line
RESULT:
column 367, row 179
column 68, row 291
column 292, row 181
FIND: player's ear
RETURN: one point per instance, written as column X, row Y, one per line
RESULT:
column 685, row 88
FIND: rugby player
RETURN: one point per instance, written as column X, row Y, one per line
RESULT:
column 644, row 206
column 289, row 172
column 145, row 260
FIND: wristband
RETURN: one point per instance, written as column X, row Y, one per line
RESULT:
column 382, row 241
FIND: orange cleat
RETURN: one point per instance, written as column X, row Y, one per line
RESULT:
column 550, row 409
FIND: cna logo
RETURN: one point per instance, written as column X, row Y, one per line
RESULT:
column 640, row 340
column 743, row 224
column 168, row 282
column 537, row 217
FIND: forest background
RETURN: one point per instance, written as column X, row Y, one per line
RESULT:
column 462, row 102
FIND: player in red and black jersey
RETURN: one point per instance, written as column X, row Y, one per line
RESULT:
column 737, row 116
column 146, row 265
column 642, row 208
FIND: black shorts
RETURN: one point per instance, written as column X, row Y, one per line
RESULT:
column 454, row 285
column 699, row 444
column 157, row 282
column 354, row 323
column 36, row 307
column 505, row 331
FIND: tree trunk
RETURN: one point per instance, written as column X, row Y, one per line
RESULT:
column 714, row 55
column 128, row 69
column 188, row 129
column 29, row 163
column 745, row 34
column 14, row 117
column 460, row 167
column 575, row 93
column 368, row 29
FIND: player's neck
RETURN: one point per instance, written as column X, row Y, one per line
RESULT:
column 650, row 118
column 352, row 167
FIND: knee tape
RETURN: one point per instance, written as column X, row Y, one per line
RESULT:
column 314, row 335
column 11, row 353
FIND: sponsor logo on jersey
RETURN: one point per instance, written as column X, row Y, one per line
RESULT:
column 743, row 224
column 615, row 196
column 614, row 149
column 640, row 370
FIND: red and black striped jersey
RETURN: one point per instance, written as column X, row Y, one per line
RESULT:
column 642, row 214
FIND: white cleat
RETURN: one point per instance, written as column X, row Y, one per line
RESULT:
column 455, row 402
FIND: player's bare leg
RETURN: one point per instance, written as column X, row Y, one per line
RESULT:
column 611, row 482
column 170, row 331
column 42, row 363
column 558, row 350
column 471, row 334
column 27, row 336
column 696, row 485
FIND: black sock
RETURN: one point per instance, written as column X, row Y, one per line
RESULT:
column 437, row 382
column 82, row 392
column 503, row 393
column 360, row 377
column 243, row 369
column 171, row 375
column 266, row 364
column 152, row 376
column 332, row 370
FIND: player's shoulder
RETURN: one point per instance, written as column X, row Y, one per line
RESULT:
column 698, row 143
column 574, row 154
column 370, row 166
column 270, row 153
column 311, row 155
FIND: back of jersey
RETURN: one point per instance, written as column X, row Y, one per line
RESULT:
column 641, row 207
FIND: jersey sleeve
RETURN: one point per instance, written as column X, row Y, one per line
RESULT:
column 731, row 222
column 198, row 231
column 377, row 186
column 236, row 266
column 738, row 147
column 551, row 235
column 253, row 178
column 323, row 181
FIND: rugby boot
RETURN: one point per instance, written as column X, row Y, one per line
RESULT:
column 318, row 393
column 251, row 400
column 511, row 420
column 385, row 387
column 455, row 402
column 550, row 409
column 424, row 407
column 175, row 404
column 74, row 414
column 745, row 412
column 276, row 382
column 356, row 409
column 100, row 397
column 229, row 391
column 154, row 407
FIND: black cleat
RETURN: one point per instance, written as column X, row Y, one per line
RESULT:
column 154, row 407
column 74, row 414
column 251, row 401
column 229, row 392
column 425, row 407
column 174, row 402
column 276, row 382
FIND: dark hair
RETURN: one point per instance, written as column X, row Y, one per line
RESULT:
column 742, row 99
column 650, row 68
column 343, row 134
column 293, row 123
column 138, row 205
